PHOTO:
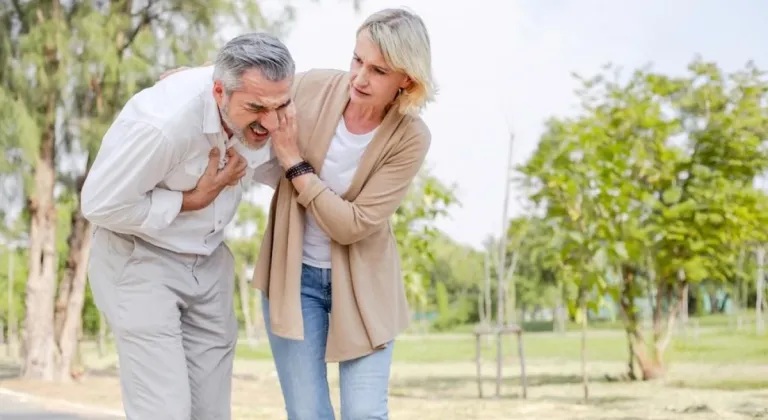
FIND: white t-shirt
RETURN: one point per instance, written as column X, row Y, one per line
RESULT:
column 338, row 169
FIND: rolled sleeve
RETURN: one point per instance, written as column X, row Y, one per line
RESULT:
column 121, row 190
column 165, row 205
column 314, row 187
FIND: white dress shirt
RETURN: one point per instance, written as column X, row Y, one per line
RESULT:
column 157, row 148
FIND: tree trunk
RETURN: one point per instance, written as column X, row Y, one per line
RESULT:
column 628, row 312
column 584, row 375
column 12, row 341
column 650, row 366
column 631, row 362
column 714, row 308
column 245, row 302
column 71, row 296
column 759, row 289
column 511, row 289
column 683, row 302
column 12, row 348
column 486, row 299
column 39, row 346
column 559, row 317
column 39, row 338
column 76, row 245
column 68, row 339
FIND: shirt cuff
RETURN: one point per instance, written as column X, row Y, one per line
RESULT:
column 164, row 206
column 314, row 187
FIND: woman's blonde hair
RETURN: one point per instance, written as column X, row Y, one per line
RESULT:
column 404, row 42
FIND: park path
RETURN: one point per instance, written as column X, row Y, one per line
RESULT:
column 15, row 408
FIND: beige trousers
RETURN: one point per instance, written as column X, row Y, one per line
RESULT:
column 174, row 324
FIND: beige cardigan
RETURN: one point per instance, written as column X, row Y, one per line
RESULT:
column 369, row 306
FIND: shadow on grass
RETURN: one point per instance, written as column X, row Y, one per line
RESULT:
column 465, row 387
column 112, row 372
column 593, row 400
column 462, row 381
column 726, row 384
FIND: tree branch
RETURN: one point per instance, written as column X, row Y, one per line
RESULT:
column 22, row 16
column 145, row 20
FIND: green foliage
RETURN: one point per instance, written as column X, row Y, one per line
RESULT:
column 12, row 266
column 413, row 227
column 535, row 276
column 245, row 234
column 67, row 68
column 655, row 166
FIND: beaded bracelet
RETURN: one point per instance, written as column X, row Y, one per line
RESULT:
column 299, row 169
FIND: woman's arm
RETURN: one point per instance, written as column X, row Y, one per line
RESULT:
column 348, row 222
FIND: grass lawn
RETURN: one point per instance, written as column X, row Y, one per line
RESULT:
column 711, row 346
column 714, row 374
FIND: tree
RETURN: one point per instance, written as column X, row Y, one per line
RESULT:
column 245, row 242
column 413, row 226
column 535, row 276
column 457, row 277
column 652, row 181
column 67, row 68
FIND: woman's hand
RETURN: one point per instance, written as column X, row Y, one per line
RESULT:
column 178, row 69
column 285, row 140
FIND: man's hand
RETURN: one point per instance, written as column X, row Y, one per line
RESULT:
column 214, row 181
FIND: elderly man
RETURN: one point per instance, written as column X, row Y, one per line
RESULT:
column 166, row 182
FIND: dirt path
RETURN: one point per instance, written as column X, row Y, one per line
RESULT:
column 13, row 407
column 449, row 391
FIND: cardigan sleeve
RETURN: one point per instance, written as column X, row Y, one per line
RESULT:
column 348, row 222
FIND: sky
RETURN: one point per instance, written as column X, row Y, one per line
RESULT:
column 508, row 64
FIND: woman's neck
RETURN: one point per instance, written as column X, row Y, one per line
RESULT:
column 362, row 119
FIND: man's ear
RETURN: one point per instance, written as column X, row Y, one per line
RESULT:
column 218, row 92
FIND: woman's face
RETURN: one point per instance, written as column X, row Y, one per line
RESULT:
column 373, row 82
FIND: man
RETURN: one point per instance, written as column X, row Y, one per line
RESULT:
column 166, row 182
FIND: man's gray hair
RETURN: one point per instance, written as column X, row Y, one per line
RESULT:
column 257, row 50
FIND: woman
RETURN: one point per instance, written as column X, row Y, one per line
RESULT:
column 329, row 267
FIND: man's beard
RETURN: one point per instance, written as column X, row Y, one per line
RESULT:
column 238, row 133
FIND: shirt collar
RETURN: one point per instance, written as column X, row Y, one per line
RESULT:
column 255, row 157
column 211, row 116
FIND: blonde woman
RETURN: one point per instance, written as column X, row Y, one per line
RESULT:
column 329, row 267
column 349, row 145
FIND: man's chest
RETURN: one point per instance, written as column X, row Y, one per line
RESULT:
column 187, row 173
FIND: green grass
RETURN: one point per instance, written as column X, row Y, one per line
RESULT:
column 713, row 346
column 708, row 321
column 722, row 346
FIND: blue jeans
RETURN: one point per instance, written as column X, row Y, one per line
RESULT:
column 302, row 370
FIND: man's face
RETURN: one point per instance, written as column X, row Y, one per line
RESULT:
column 250, row 112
